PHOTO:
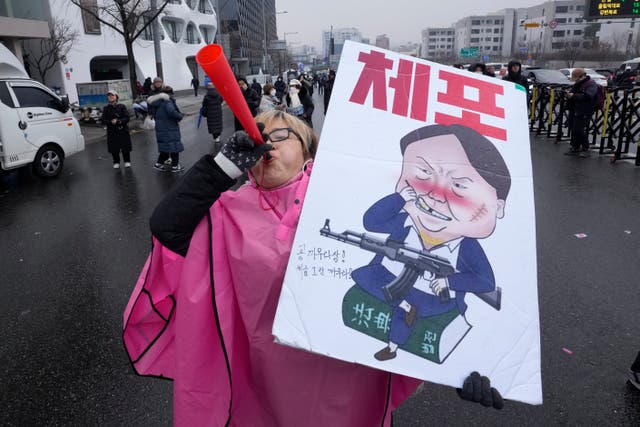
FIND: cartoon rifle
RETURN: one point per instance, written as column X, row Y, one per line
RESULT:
column 415, row 261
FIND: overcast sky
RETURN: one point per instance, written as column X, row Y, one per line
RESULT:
column 401, row 20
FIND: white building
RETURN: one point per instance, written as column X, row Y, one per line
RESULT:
column 438, row 43
column 100, row 54
column 340, row 35
column 490, row 34
column 547, row 28
column 21, row 20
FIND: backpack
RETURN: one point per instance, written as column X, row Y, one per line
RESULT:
column 601, row 97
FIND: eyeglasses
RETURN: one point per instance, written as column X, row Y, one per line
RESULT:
column 278, row 135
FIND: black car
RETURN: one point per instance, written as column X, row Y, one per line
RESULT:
column 545, row 76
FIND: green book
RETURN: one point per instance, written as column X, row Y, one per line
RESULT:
column 432, row 338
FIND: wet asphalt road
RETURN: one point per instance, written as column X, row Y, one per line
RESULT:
column 72, row 249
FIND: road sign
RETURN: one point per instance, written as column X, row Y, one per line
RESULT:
column 468, row 52
column 553, row 24
column 485, row 58
column 523, row 49
column 531, row 25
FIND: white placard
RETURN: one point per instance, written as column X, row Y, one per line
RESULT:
column 430, row 167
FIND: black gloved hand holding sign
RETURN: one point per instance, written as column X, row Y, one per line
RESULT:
column 240, row 153
column 477, row 388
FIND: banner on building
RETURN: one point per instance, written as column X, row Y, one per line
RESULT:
column 415, row 252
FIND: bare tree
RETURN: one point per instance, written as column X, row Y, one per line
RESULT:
column 129, row 18
column 571, row 50
column 44, row 55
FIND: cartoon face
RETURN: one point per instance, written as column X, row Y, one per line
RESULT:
column 449, row 198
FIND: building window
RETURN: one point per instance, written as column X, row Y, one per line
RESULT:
column 91, row 23
column 171, row 27
column 579, row 8
column 191, row 36
column 475, row 22
column 474, row 40
column 476, row 31
column 495, row 39
column 562, row 9
column 561, row 20
column 147, row 34
column 208, row 33
column 558, row 33
column 205, row 7
column 579, row 20
column 495, row 48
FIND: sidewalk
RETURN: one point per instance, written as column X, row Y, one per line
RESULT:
column 187, row 103
column 190, row 105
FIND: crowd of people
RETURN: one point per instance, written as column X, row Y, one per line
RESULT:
column 157, row 106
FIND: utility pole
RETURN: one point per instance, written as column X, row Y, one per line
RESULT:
column 155, row 27
column 331, row 45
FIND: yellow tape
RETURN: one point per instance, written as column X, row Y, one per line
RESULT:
column 534, row 96
column 552, row 98
column 605, row 120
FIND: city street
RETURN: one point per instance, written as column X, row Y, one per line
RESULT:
column 72, row 249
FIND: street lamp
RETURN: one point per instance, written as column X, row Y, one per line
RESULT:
column 264, row 37
column 286, row 49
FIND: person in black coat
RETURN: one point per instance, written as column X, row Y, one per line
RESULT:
column 256, row 86
column 116, row 117
column 582, row 103
column 251, row 97
column 281, row 88
column 514, row 75
column 195, row 83
column 212, row 110
column 146, row 86
column 328, row 87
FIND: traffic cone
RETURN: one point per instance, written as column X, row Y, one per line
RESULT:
column 211, row 59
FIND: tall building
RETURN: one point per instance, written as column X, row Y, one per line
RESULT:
column 250, row 26
column 438, row 43
column 340, row 35
column 99, row 52
column 22, row 20
column 491, row 35
column 382, row 41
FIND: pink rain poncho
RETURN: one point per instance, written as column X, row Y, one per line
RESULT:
column 218, row 348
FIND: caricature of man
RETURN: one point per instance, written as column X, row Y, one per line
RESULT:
column 451, row 192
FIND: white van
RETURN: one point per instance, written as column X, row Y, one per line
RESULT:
column 36, row 126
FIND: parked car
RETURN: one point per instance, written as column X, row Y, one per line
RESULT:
column 609, row 73
column 596, row 77
column 37, row 127
column 546, row 76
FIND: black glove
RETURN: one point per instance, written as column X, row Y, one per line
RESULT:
column 477, row 388
column 240, row 153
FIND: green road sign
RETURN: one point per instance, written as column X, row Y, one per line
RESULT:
column 468, row 52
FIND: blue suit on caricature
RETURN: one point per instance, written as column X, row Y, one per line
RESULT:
column 474, row 273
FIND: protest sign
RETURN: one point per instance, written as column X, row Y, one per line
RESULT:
column 415, row 252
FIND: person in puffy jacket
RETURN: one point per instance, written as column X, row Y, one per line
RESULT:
column 167, row 116
column 212, row 110
column 299, row 102
column 514, row 74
